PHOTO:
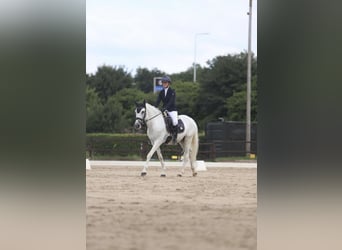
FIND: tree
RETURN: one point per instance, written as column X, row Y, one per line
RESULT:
column 185, row 76
column 112, row 118
column 127, row 98
column 94, row 110
column 188, row 75
column 220, row 91
column 187, row 96
column 108, row 80
column 224, row 76
column 144, row 79
column 236, row 104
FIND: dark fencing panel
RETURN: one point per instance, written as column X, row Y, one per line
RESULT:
column 229, row 138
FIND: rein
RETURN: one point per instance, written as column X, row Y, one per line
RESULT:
column 153, row 117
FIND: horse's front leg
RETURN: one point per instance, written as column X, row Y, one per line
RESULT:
column 155, row 146
column 161, row 159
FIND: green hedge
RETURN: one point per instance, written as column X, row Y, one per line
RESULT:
column 114, row 144
column 125, row 146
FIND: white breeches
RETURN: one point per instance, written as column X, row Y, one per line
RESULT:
column 174, row 117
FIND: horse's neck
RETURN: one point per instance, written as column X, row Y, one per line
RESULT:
column 155, row 124
column 151, row 110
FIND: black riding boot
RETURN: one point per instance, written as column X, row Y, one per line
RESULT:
column 174, row 134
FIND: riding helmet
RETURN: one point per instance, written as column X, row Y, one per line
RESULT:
column 166, row 79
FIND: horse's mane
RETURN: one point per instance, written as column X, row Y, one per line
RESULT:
column 152, row 108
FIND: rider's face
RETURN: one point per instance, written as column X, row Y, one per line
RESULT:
column 165, row 85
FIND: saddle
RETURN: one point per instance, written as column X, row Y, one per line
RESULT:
column 168, row 124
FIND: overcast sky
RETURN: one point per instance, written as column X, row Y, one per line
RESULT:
column 161, row 33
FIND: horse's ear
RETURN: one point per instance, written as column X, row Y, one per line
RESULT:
column 144, row 103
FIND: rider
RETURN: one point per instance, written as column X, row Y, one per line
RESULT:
column 168, row 97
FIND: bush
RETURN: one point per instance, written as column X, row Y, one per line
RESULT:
column 104, row 146
column 119, row 145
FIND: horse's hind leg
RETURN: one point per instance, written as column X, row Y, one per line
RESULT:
column 161, row 159
column 192, row 159
column 186, row 149
column 193, row 164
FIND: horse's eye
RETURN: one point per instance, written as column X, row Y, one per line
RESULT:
column 142, row 112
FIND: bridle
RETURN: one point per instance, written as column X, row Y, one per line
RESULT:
column 144, row 121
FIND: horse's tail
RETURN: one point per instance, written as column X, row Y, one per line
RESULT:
column 194, row 147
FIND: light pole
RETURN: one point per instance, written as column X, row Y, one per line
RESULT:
column 195, row 48
column 248, row 103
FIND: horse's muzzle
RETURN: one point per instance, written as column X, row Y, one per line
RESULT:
column 137, row 125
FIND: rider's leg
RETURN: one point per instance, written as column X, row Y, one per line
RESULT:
column 174, row 117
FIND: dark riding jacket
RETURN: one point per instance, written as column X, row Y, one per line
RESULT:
column 169, row 101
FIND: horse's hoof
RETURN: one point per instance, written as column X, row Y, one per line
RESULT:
column 194, row 174
column 163, row 175
column 143, row 173
column 179, row 175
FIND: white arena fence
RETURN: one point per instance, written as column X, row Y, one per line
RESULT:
column 202, row 165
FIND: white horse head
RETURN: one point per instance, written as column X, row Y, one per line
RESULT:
column 140, row 115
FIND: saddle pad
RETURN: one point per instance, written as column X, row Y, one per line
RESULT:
column 180, row 126
column 168, row 123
